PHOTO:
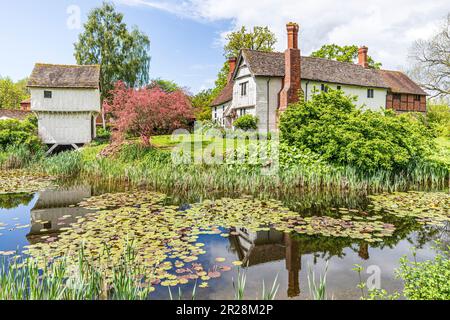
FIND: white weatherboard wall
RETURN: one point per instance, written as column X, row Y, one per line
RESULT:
column 65, row 128
column 65, row 100
column 376, row 103
column 249, row 99
column 67, row 117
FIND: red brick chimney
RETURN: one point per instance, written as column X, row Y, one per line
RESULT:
column 292, row 78
column 232, row 63
column 362, row 57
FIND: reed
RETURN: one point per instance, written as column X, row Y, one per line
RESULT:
column 23, row 279
column 318, row 290
column 154, row 168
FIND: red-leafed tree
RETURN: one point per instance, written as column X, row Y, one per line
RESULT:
column 148, row 111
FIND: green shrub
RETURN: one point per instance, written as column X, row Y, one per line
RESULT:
column 427, row 280
column 246, row 122
column 331, row 126
column 438, row 118
column 14, row 133
column 103, row 134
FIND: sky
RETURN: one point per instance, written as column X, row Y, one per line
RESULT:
column 187, row 36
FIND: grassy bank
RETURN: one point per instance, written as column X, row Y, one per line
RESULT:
column 153, row 167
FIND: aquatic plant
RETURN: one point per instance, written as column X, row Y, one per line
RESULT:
column 318, row 291
column 20, row 181
column 426, row 280
column 61, row 279
column 166, row 238
column 427, row 208
column 272, row 293
column 239, row 285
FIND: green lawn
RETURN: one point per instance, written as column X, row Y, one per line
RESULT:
column 198, row 143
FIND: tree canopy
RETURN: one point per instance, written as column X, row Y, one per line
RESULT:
column 343, row 54
column 122, row 54
column 165, row 85
column 11, row 94
column 147, row 111
column 260, row 38
column 201, row 103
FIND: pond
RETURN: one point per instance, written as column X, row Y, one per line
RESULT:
column 41, row 219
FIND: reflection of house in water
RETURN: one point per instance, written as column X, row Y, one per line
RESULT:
column 56, row 209
column 268, row 246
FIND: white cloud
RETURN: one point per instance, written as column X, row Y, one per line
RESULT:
column 387, row 27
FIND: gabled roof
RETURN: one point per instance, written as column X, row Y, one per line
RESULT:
column 272, row 64
column 264, row 63
column 65, row 76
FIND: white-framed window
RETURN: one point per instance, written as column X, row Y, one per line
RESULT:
column 370, row 93
column 215, row 112
column 339, row 87
column 324, row 87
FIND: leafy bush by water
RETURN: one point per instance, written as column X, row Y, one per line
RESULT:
column 426, row 280
column 331, row 126
column 15, row 132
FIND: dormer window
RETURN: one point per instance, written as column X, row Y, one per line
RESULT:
column 244, row 88
column 47, row 94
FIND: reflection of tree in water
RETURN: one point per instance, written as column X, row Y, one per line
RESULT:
column 11, row 201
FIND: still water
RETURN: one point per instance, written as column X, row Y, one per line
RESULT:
column 268, row 254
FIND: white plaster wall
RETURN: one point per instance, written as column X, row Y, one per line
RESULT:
column 65, row 99
column 220, row 113
column 375, row 103
column 65, row 128
column 275, row 86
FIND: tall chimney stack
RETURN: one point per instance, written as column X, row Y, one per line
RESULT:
column 362, row 57
column 292, row 78
column 232, row 63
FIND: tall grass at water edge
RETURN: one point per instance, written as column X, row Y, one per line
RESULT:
column 154, row 168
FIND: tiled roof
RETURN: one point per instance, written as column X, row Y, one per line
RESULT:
column 65, row 76
column 325, row 70
column 399, row 82
column 13, row 114
column 225, row 95
column 265, row 63
column 272, row 64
